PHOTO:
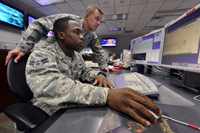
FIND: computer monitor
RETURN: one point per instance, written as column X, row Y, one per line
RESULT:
column 147, row 49
column 181, row 42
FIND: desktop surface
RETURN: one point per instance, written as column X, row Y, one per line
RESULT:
column 177, row 102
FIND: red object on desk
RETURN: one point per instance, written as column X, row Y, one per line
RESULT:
column 117, row 66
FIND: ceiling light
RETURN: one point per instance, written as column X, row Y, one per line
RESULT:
column 128, row 31
column 115, row 29
column 166, row 13
column 48, row 2
column 152, row 27
column 116, row 17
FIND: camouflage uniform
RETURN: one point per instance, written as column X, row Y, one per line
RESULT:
column 41, row 27
column 54, row 79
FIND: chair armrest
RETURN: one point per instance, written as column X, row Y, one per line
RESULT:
column 26, row 116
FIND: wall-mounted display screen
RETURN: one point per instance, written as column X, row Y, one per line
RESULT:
column 108, row 42
column 12, row 16
column 30, row 19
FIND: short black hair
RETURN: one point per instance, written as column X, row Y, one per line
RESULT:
column 60, row 25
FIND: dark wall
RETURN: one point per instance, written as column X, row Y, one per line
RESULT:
column 6, row 96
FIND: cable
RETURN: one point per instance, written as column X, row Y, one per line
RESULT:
column 196, row 98
column 181, row 75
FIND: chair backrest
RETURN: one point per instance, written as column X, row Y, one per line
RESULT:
column 17, row 80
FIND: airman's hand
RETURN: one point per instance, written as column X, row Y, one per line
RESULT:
column 103, row 81
column 113, row 69
column 14, row 52
column 126, row 100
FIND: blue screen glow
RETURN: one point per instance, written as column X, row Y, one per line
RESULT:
column 11, row 16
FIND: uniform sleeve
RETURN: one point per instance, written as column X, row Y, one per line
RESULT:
column 38, row 28
column 98, row 52
column 52, row 87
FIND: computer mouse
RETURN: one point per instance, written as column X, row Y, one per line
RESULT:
column 156, row 116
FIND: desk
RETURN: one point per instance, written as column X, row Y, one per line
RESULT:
column 174, row 99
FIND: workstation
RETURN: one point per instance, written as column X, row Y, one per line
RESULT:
column 166, row 58
column 176, row 101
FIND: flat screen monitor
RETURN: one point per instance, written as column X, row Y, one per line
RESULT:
column 108, row 42
column 30, row 19
column 11, row 16
column 147, row 48
column 182, row 45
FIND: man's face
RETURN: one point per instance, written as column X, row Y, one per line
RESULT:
column 94, row 20
column 73, row 38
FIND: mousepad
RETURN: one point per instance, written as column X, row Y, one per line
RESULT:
column 115, row 122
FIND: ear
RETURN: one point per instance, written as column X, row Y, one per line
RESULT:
column 87, row 15
column 61, row 35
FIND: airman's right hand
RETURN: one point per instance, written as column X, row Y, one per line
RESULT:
column 14, row 52
column 126, row 100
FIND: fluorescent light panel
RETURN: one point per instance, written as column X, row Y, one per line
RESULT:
column 116, row 17
column 152, row 27
column 166, row 13
column 48, row 2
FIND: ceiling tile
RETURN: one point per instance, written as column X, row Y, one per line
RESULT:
column 132, row 20
column 130, row 25
column 111, row 23
column 77, row 6
column 71, row 0
column 106, row 3
column 139, row 2
column 81, row 13
column 64, row 7
column 149, row 14
column 188, row 4
column 121, row 23
column 135, row 15
column 108, row 11
column 90, row 2
column 121, row 10
column 153, row 1
column 122, row 2
column 170, row 5
column 52, row 9
column 153, row 6
column 129, row 28
column 42, row 10
column 136, row 8
column 30, row 3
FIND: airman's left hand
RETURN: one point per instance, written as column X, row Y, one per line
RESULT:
column 103, row 81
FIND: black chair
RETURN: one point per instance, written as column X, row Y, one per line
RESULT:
column 26, row 116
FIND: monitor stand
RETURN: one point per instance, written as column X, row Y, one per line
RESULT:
column 191, row 81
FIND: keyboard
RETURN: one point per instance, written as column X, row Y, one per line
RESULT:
column 138, row 82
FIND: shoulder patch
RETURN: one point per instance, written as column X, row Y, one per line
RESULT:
column 39, row 63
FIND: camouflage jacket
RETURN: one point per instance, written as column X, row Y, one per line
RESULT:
column 43, row 25
column 56, row 80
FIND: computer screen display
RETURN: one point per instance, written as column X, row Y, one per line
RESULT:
column 147, row 49
column 30, row 19
column 181, row 45
column 11, row 16
column 108, row 42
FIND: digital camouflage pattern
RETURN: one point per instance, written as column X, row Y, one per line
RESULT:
column 43, row 25
column 55, row 80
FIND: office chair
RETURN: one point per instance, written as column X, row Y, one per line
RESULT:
column 26, row 116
